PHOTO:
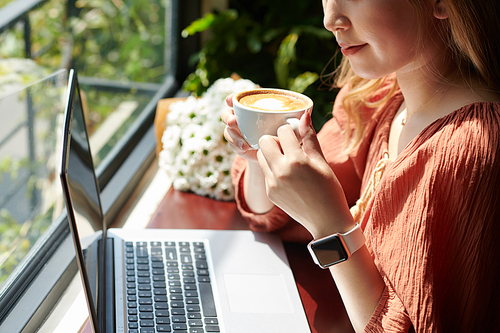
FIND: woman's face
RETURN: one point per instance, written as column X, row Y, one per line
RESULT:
column 379, row 36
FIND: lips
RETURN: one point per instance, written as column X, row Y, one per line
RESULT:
column 349, row 49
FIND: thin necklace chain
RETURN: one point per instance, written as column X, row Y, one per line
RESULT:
column 407, row 116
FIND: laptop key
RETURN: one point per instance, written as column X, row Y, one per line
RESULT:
column 178, row 311
column 195, row 323
column 211, row 321
column 201, row 264
column 148, row 330
column 196, row 330
column 159, row 285
column 141, row 252
column 193, row 308
column 146, row 315
column 178, row 319
column 160, row 291
column 213, row 328
column 147, row 323
column 161, row 306
column 203, row 279
column 162, row 313
column 145, row 308
column 171, row 253
column 162, row 320
column 145, row 301
column 164, row 328
column 207, row 300
column 191, row 293
column 161, row 298
column 194, row 315
column 179, row 326
column 159, row 278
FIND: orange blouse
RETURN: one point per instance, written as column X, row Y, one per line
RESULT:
column 433, row 224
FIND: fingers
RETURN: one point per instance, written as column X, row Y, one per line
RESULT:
column 310, row 143
column 234, row 137
column 229, row 100
column 228, row 118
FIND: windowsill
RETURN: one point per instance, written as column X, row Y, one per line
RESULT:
column 70, row 313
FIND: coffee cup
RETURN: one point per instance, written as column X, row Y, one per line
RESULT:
column 262, row 111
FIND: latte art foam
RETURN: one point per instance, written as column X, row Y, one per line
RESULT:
column 272, row 102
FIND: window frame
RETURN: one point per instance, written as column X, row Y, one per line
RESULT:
column 47, row 271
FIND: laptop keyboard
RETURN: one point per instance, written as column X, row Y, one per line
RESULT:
column 168, row 288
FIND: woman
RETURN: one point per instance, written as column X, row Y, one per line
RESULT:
column 414, row 150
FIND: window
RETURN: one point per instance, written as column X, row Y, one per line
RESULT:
column 127, row 56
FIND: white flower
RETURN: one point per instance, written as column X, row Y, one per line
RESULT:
column 195, row 154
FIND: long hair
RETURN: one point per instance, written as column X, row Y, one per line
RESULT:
column 472, row 34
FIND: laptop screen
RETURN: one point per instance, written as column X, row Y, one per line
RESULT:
column 81, row 193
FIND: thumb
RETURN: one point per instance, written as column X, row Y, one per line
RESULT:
column 310, row 143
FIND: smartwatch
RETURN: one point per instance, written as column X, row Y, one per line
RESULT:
column 336, row 248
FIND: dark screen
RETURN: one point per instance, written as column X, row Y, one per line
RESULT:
column 81, row 177
column 82, row 199
column 330, row 252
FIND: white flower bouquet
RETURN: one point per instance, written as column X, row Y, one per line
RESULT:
column 195, row 154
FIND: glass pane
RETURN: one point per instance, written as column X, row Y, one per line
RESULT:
column 30, row 192
column 117, row 47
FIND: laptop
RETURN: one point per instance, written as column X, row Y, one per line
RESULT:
column 170, row 280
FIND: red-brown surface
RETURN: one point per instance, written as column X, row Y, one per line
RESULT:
column 321, row 300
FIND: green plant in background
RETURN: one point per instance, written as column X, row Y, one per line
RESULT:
column 120, row 39
column 280, row 44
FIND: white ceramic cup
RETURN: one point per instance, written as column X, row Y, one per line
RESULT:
column 255, row 122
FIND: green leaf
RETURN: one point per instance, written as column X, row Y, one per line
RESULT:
column 286, row 55
column 199, row 25
column 301, row 82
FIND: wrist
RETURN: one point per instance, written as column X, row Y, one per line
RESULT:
column 347, row 223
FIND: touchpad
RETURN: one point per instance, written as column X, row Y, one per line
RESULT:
column 257, row 293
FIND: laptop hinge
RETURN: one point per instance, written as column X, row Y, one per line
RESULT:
column 106, row 294
column 110, row 286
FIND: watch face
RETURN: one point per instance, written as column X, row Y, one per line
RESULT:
column 329, row 251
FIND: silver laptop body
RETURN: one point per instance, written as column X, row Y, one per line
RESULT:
column 170, row 280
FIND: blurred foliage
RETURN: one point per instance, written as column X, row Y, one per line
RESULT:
column 276, row 44
column 119, row 39
column 26, row 197
column 16, row 239
column 122, row 40
column 116, row 40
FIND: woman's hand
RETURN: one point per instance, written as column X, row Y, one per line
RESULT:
column 233, row 135
column 300, row 181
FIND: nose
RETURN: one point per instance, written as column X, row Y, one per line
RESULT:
column 335, row 19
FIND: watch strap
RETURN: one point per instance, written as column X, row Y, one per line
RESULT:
column 354, row 239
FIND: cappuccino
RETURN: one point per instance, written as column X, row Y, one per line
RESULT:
column 262, row 111
column 268, row 100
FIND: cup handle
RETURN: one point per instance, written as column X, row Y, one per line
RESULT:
column 294, row 122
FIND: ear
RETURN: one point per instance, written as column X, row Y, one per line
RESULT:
column 440, row 11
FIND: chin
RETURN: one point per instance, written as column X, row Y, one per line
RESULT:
column 369, row 72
